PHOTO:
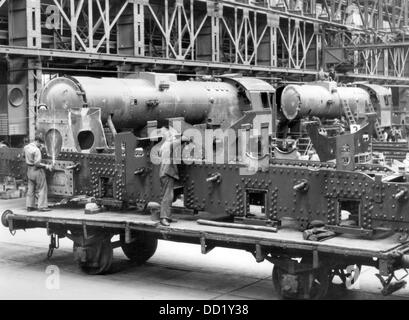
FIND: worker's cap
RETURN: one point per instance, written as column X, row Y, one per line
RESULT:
column 39, row 138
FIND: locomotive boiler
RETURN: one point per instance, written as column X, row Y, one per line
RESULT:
column 67, row 104
column 322, row 99
column 327, row 100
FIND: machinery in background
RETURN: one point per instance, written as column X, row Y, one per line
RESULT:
column 337, row 110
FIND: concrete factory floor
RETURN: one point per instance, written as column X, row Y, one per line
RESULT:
column 176, row 271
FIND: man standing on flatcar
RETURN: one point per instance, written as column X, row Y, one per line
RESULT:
column 168, row 174
column 168, row 171
column 37, row 183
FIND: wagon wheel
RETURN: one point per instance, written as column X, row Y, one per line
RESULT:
column 99, row 258
column 348, row 275
column 317, row 287
column 141, row 249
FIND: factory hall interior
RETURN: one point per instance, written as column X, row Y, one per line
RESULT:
column 161, row 140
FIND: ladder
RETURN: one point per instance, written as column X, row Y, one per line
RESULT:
column 309, row 147
column 348, row 112
column 378, row 130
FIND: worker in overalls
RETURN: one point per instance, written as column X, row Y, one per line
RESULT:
column 170, row 151
column 37, row 183
column 168, row 174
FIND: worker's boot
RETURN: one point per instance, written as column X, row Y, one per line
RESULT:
column 164, row 222
column 44, row 209
column 29, row 209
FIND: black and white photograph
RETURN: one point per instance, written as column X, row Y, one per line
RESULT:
column 204, row 155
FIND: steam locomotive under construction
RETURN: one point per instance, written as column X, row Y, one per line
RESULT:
column 238, row 188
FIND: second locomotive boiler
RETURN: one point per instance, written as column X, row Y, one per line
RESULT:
column 328, row 100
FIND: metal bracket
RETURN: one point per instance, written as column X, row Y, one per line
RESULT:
column 84, row 230
column 11, row 227
column 383, row 267
column 215, row 177
column 401, row 194
column 315, row 259
column 47, row 226
column 54, row 244
column 128, row 238
column 260, row 254
column 301, row 186
column 139, row 171
column 206, row 248
column 390, row 287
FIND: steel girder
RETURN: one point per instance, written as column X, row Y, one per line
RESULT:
column 270, row 36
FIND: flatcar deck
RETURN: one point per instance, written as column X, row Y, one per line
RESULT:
column 284, row 238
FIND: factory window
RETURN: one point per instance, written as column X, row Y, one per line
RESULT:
column 266, row 100
column 256, row 203
column 348, row 213
column 33, row 20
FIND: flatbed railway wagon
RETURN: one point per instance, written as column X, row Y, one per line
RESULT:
column 302, row 269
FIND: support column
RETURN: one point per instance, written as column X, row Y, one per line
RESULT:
column 131, row 29
column 24, row 23
column 318, row 49
column 34, row 77
column 208, row 40
column 356, row 61
column 273, row 22
column 216, row 13
column 385, row 62
column 27, row 74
